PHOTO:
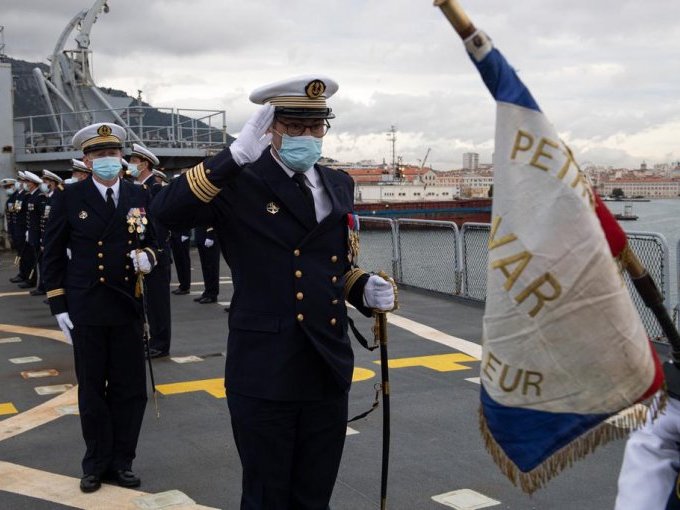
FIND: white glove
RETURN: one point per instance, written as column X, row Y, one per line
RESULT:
column 27, row 236
column 140, row 259
column 208, row 243
column 68, row 253
column 183, row 238
column 378, row 293
column 65, row 325
column 254, row 137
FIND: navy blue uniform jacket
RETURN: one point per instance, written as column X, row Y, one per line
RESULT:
column 288, row 321
column 97, row 285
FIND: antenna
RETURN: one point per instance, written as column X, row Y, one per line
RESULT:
column 392, row 137
column 2, row 41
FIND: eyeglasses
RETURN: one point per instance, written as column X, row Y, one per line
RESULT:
column 298, row 128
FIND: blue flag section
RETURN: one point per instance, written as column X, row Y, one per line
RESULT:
column 565, row 354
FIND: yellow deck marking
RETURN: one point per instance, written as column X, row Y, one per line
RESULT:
column 20, row 293
column 39, row 415
column 438, row 362
column 362, row 374
column 64, row 490
column 7, row 408
column 214, row 387
column 53, row 334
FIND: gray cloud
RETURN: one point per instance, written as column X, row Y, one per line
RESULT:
column 604, row 72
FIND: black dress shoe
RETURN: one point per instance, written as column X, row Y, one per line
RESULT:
column 155, row 353
column 197, row 299
column 180, row 292
column 124, row 478
column 90, row 483
column 206, row 299
column 37, row 292
column 227, row 308
column 26, row 285
column 17, row 279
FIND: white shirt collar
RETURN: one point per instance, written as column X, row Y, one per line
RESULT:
column 312, row 176
column 102, row 189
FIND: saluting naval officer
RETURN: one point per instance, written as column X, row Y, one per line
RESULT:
column 289, row 359
column 140, row 166
column 92, row 294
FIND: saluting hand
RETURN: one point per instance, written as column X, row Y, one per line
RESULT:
column 140, row 260
column 254, row 137
column 379, row 293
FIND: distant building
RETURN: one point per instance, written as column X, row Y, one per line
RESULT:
column 650, row 187
column 470, row 161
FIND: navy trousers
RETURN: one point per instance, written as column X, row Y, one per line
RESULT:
column 290, row 451
column 180, row 254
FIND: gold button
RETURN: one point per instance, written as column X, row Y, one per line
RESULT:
column 101, row 268
column 127, row 267
column 334, row 258
column 127, row 279
column 333, row 322
column 100, row 243
column 296, row 253
column 129, row 241
column 334, row 279
column 334, row 302
column 299, row 296
column 300, row 317
column 298, row 274
column 207, row 171
column 102, row 279
column 100, row 255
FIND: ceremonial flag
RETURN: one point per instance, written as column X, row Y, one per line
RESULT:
column 563, row 346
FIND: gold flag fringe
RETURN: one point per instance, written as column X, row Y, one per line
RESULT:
column 616, row 427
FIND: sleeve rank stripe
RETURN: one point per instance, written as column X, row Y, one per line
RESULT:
column 203, row 182
column 193, row 175
column 351, row 277
column 55, row 293
column 194, row 189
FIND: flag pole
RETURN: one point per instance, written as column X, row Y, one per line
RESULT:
column 457, row 17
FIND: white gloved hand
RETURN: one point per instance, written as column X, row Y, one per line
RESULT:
column 27, row 236
column 208, row 243
column 140, row 259
column 68, row 253
column 183, row 238
column 378, row 293
column 253, row 138
column 65, row 325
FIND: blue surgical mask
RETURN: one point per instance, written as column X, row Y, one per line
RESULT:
column 133, row 170
column 106, row 168
column 44, row 188
column 299, row 153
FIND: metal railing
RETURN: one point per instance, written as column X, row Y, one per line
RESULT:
column 180, row 128
column 436, row 256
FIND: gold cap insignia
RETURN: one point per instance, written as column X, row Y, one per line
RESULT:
column 315, row 88
column 272, row 208
column 104, row 130
column 82, row 215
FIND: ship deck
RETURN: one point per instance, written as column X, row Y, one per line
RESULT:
column 188, row 455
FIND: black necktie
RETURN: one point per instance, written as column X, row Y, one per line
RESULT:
column 299, row 179
column 110, row 204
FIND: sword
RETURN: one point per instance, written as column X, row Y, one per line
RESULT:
column 141, row 289
column 380, row 330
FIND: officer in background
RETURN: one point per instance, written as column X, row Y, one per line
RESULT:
column 79, row 171
column 52, row 182
column 209, row 255
column 33, row 201
column 19, row 227
column 180, row 244
column 289, row 359
column 160, row 177
column 9, row 185
column 140, row 166
column 92, row 294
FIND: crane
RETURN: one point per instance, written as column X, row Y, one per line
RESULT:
column 422, row 165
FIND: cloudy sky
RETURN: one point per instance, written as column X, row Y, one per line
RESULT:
column 606, row 72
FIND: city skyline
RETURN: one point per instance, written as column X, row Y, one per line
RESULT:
column 599, row 71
